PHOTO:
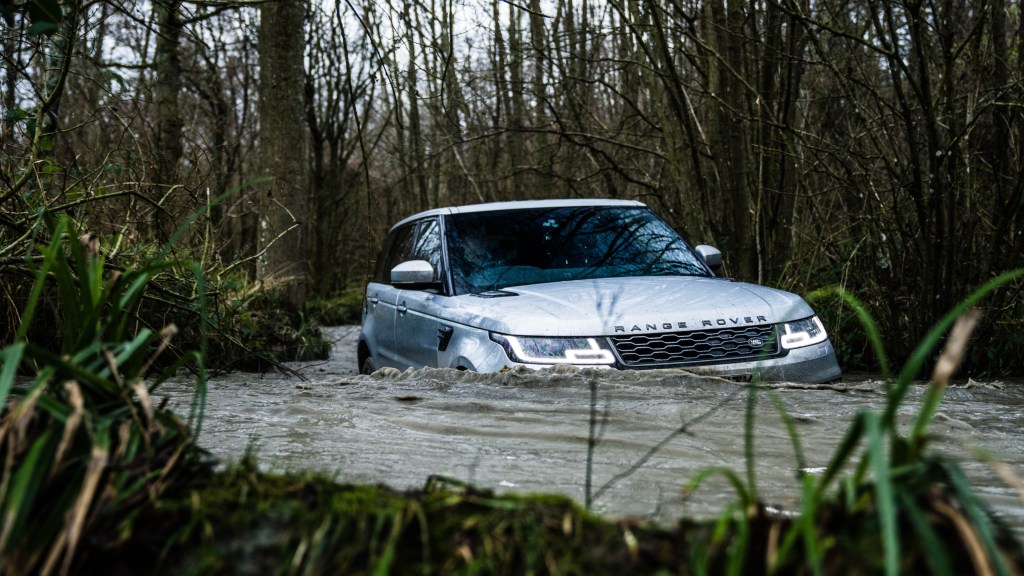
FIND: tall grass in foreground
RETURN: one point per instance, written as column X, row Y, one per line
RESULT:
column 83, row 446
column 884, row 502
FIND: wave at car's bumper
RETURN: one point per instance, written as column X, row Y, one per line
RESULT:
column 811, row 364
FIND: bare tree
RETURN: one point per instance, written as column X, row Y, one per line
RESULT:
column 283, row 149
column 167, row 115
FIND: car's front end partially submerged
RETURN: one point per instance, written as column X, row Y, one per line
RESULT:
column 583, row 283
column 708, row 326
column 724, row 353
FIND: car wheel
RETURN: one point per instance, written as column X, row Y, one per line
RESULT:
column 367, row 367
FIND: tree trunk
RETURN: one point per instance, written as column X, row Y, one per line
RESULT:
column 167, row 148
column 517, row 120
column 781, row 76
column 730, row 142
column 537, row 44
column 283, row 156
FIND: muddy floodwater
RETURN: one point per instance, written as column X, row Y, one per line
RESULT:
column 527, row 431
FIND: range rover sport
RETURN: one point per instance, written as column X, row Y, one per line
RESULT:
column 599, row 283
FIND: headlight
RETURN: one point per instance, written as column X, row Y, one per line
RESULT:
column 803, row 333
column 554, row 350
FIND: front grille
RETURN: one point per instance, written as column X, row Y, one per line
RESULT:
column 697, row 346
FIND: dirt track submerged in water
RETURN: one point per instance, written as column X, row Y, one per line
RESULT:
column 527, row 431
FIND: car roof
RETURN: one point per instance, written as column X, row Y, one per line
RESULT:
column 517, row 205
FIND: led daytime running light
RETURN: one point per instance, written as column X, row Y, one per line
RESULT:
column 803, row 333
column 559, row 350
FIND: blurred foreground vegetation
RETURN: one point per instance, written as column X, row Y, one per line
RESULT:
column 241, row 521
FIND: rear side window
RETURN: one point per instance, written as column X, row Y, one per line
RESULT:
column 397, row 249
column 415, row 241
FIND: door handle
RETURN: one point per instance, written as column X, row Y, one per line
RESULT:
column 374, row 299
column 402, row 309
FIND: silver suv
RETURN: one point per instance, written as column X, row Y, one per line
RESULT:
column 600, row 283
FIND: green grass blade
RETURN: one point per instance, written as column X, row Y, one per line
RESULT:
column 809, row 529
column 25, row 485
column 387, row 557
column 884, row 498
column 842, row 454
column 737, row 550
column 72, row 368
column 90, row 276
column 803, row 529
column 933, row 549
column 132, row 349
column 866, row 321
column 130, row 297
column 731, row 476
column 929, row 405
column 40, row 282
column 979, row 519
column 748, row 440
column 78, row 326
column 794, row 436
column 952, row 355
column 198, row 407
column 11, row 361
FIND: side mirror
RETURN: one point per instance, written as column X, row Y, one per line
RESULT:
column 712, row 256
column 414, row 274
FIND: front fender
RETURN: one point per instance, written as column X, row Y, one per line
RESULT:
column 472, row 349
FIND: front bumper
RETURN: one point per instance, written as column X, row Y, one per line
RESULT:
column 814, row 364
column 811, row 364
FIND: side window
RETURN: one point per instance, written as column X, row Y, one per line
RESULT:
column 380, row 271
column 428, row 245
column 398, row 250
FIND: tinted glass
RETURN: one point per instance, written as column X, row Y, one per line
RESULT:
column 428, row 246
column 380, row 271
column 399, row 249
column 492, row 250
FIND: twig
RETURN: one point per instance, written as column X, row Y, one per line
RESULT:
column 592, row 439
column 671, row 436
column 526, row 9
column 295, row 224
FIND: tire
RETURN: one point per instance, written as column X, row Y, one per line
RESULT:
column 367, row 367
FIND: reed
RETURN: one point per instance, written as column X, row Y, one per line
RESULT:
column 84, row 445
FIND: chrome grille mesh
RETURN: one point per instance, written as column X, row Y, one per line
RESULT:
column 697, row 346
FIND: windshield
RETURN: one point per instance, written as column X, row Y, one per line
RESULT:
column 494, row 250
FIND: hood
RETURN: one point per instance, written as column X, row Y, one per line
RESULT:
column 609, row 306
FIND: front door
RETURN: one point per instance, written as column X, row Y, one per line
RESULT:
column 382, row 298
column 417, row 321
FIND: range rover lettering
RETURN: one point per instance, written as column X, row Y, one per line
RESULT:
column 598, row 283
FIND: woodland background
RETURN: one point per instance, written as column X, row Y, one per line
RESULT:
column 869, row 144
